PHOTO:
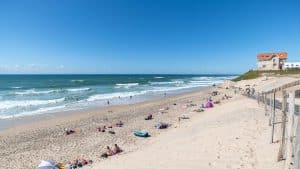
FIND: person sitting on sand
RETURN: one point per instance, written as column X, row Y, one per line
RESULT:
column 149, row 117
column 108, row 152
column 116, row 149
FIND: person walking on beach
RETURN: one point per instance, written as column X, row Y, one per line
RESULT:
column 107, row 102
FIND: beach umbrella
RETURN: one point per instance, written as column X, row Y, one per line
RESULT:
column 47, row 164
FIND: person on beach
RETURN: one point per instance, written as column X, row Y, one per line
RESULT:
column 108, row 152
column 116, row 149
column 119, row 124
column 149, row 117
column 130, row 97
column 107, row 102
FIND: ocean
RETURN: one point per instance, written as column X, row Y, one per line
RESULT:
column 25, row 95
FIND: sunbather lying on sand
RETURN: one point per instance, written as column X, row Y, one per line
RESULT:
column 78, row 163
column 217, row 102
column 69, row 131
column 183, row 116
column 198, row 110
column 111, row 132
column 119, row 124
column 149, row 117
column 161, row 125
column 101, row 129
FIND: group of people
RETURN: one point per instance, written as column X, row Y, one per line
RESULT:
column 103, row 128
column 78, row 163
column 110, row 152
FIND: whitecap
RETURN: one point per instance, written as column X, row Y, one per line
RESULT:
column 126, row 85
column 7, row 104
column 168, row 82
column 114, row 95
column 79, row 89
column 16, row 87
column 38, row 111
column 79, row 80
column 32, row 91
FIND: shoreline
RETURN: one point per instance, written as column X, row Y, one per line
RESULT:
column 26, row 145
column 6, row 124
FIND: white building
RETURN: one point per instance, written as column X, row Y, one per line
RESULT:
column 291, row 65
column 271, row 61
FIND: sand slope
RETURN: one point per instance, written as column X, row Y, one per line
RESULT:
column 232, row 135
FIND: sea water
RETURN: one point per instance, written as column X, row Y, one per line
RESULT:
column 24, row 95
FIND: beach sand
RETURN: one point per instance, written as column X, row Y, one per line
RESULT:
column 233, row 134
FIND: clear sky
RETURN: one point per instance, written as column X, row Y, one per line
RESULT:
column 144, row 36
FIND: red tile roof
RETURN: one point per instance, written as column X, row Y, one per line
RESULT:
column 268, row 56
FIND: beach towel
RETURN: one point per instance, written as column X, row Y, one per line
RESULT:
column 141, row 134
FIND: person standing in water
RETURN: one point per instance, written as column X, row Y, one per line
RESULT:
column 107, row 102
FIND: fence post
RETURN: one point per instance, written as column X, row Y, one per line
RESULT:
column 271, row 109
column 273, row 118
column 283, row 128
column 266, row 104
column 297, row 147
column 290, row 125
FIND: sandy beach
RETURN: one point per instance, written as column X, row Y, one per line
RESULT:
column 233, row 134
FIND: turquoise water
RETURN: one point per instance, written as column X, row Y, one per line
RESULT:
column 24, row 95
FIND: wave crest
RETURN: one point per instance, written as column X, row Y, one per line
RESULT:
column 25, row 103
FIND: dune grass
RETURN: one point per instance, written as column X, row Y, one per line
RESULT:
column 252, row 74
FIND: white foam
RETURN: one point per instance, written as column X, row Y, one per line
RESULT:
column 7, row 104
column 32, row 91
column 165, row 83
column 35, row 112
column 126, row 85
column 164, row 89
column 159, row 77
column 79, row 89
column 16, row 87
column 206, row 82
column 79, row 80
column 114, row 95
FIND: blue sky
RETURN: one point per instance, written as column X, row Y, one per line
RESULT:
column 144, row 36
